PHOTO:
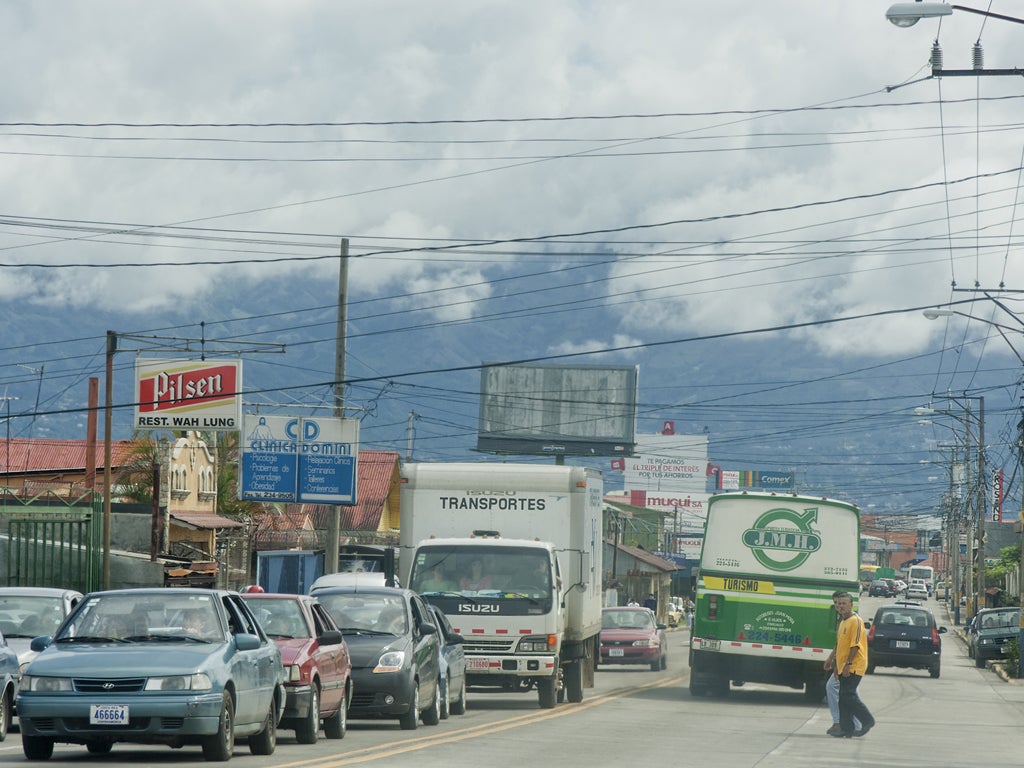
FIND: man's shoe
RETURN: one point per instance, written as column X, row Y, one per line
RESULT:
column 841, row 734
column 863, row 730
column 835, row 730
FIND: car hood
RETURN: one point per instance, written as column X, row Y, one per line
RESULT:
column 293, row 648
column 365, row 650
column 123, row 659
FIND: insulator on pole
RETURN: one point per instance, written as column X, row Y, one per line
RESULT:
column 936, row 58
column 978, row 56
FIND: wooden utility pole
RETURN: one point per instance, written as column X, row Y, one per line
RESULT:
column 334, row 526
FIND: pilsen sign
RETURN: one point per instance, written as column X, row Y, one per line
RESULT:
column 188, row 394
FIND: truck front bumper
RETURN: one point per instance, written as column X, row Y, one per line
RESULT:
column 503, row 666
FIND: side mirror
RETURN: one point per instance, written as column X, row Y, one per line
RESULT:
column 427, row 628
column 246, row 642
column 330, row 637
column 454, row 638
column 40, row 643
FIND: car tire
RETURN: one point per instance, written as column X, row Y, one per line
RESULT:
column 409, row 719
column 664, row 661
column 37, row 747
column 458, row 707
column 219, row 746
column 432, row 714
column 871, row 669
column 265, row 742
column 979, row 661
column 308, row 729
column 336, row 725
column 446, row 699
column 934, row 671
column 6, row 705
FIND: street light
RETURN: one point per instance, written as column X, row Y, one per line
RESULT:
column 908, row 14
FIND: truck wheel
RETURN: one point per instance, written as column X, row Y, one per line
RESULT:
column 573, row 681
column 546, row 692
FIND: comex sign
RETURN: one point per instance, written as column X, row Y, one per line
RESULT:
column 304, row 460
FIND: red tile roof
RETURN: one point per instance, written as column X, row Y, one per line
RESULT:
column 34, row 455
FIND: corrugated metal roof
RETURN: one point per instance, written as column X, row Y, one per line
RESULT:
column 28, row 455
column 206, row 521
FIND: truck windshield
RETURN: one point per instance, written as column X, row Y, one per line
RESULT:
column 491, row 572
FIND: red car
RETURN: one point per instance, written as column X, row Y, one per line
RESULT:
column 318, row 671
column 633, row 636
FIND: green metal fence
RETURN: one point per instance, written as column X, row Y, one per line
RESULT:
column 53, row 541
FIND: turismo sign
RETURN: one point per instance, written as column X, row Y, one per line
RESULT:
column 301, row 460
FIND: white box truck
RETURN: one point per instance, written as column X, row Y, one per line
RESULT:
column 511, row 553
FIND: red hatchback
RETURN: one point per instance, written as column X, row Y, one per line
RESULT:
column 316, row 663
column 633, row 636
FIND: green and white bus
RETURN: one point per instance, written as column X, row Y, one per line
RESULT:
column 769, row 565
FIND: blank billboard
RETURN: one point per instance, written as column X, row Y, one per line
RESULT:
column 571, row 410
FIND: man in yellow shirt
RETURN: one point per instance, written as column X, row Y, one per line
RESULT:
column 851, row 665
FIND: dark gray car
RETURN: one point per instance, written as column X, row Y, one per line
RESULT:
column 988, row 632
column 395, row 652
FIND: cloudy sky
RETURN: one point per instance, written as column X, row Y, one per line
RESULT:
column 686, row 170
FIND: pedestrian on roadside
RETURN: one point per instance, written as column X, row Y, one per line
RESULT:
column 651, row 602
column 632, row 603
column 832, row 685
column 852, row 664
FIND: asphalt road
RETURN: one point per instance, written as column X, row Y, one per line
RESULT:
column 636, row 717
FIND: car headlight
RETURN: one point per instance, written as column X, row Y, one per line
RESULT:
column 642, row 643
column 45, row 684
column 199, row 681
column 391, row 661
column 293, row 673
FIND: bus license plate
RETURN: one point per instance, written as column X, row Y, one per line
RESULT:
column 616, row 652
column 108, row 714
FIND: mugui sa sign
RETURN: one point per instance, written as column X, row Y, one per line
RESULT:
column 188, row 394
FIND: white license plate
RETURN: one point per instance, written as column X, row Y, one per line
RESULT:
column 710, row 645
column 902, row 643
column 616, row 652
column 477, row 664
column 108, row 714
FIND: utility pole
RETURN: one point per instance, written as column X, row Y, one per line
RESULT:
column 982, row 496
column 334, row 524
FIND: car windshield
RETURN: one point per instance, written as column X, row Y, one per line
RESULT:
column 627, row 620
column 280, row 617
column 999, row 619
column 29, row 616
column 144, row 617
column 367, row 612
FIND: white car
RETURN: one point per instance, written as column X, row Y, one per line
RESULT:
column 917, row 591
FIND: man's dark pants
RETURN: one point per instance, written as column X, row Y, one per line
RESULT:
column 850, row 705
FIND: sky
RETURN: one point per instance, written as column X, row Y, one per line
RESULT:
column 777, row 185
